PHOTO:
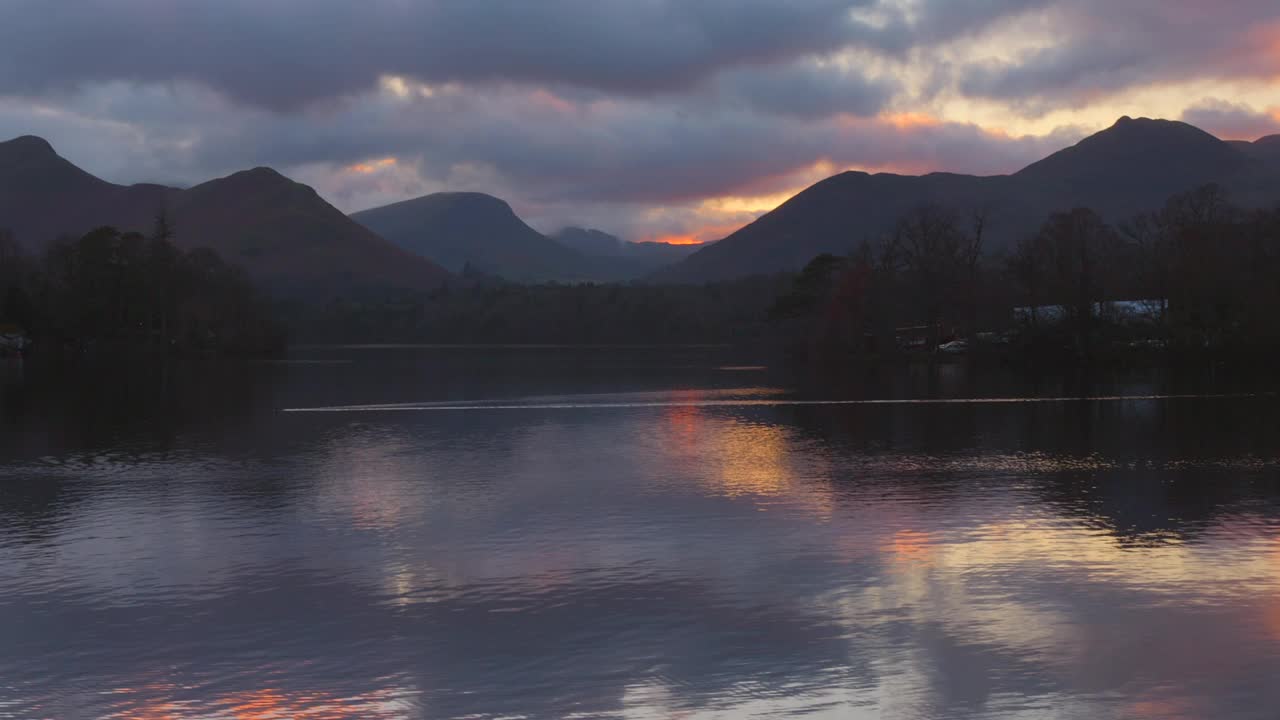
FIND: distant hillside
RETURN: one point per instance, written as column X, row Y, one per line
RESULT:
column 457, row 229
column 284, row 234
column 1133, row 166
column 590, row 242
column 1267, row 148
column 637, row 258
column 482, row 232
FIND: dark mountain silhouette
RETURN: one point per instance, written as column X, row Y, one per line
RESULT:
column 483, row 235
column 590, row 242
column 1138, row 150
column 1133, row 166
column 42, row 195
column 1266, row 148
column 284, row 234
column 641, row 258
column 470, row 229
column 284, row 231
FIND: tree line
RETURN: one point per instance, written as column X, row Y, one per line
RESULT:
column 494, row 311
column 121, row 290
column 1209, row 273
column 1205, row 273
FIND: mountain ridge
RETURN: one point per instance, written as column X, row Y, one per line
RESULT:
column 474, row 230
column 284, row 234
column 1134, row 165
column 482, row 233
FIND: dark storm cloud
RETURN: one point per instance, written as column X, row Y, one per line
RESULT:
column 1102, row 47
column 287, row 53
column 807, row 92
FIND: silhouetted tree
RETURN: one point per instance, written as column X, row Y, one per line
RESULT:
column 1079, row 244
column 937, row 260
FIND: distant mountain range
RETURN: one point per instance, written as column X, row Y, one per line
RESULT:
column 289, row 238
column 282, row 232
column 1133, row 166
column 470, row 230
column 644, row 257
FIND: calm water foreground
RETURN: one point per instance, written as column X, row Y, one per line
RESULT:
column 631, row 533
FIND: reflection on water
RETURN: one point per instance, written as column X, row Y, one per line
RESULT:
column 174, row 546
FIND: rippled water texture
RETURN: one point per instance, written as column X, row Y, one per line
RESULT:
column 632, row 533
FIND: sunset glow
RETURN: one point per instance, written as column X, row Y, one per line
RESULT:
column 366, row 168
column 677, row 240
column 643, row 144
column 911, row 120
column 639, row 360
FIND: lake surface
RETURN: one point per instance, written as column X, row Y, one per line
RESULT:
column 633, row 533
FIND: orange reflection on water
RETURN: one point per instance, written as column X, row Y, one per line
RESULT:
column 265, row 704
column 1162, row 709
column 276, row 705
column 1271, row 612
column 683, row 421
column 911, row 547
column 745, row 459
column 751, row 460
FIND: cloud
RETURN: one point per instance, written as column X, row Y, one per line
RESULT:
column 1100, row 48
column 1232, row 121
column 288, row 53
column 645, row 118
column 808, row 90
column 637, row 167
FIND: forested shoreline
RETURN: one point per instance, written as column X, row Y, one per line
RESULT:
column 120, row 291
column 1197, row 276
column 1205, row 273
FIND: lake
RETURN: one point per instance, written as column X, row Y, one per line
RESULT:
column 416, row 532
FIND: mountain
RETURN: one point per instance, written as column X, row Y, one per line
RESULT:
column 42, row 195
column 1266, row 148
column 1134, row 165
column 639, row 258
column 482, row 233
column 590, row 242
column 284, row 234
column 459, row 229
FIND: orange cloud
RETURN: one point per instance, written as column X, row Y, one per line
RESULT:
column 365, row 168
column 910, row 120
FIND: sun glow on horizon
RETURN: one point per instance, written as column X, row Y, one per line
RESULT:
column 675, row 240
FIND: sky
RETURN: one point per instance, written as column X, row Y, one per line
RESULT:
column 650, row 119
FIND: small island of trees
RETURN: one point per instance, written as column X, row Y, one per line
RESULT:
column 116, row 290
